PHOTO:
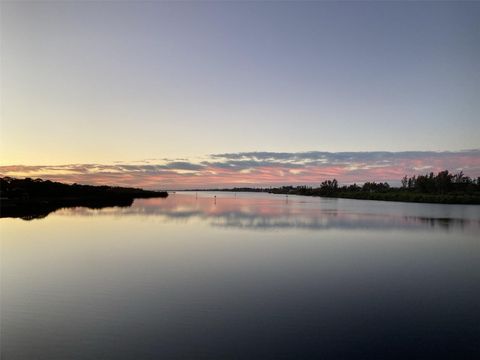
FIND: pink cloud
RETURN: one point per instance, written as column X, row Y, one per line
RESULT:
column 258, row 169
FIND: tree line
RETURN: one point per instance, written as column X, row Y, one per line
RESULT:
column 35, row 198
column 443, row 187
column 12, row 188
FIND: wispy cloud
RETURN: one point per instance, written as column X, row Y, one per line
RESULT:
column 257, row 169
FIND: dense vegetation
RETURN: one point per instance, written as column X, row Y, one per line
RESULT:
column 30, row 198
column 443, row 187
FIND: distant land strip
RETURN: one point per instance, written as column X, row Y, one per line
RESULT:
column 35, row 198
column 442, row 188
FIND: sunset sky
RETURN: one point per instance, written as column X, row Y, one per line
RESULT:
column 182, row 94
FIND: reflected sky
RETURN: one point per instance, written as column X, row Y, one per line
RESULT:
column 266, row 211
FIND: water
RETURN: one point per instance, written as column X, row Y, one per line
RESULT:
column 243, row 276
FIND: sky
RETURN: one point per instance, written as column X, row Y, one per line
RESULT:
column 153, row 94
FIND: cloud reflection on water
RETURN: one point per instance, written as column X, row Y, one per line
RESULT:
column 270, row 212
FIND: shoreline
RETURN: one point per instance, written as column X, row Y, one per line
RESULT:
column 29, row 199
column 407, row 197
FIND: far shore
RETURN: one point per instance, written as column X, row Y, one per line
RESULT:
column 395, row 196
column 34, row 198
column 442, row 188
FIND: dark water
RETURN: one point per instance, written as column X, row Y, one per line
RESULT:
column 246, row 276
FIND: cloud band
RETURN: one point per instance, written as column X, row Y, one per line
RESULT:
column 259, row 169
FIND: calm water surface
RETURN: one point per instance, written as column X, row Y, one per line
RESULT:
column 243, row 276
